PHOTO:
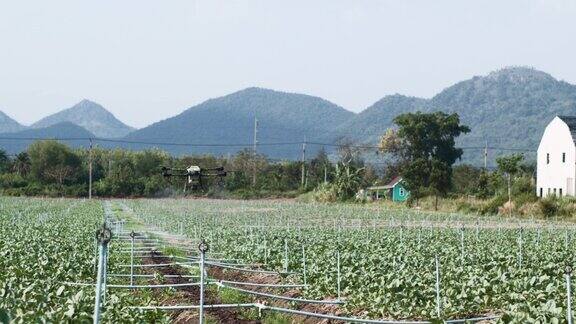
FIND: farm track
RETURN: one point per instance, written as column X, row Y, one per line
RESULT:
column 191, row 296
column 185, row 295
column 221, row 274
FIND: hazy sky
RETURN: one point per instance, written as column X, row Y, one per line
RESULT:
column 149, row 60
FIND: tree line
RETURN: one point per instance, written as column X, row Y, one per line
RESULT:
column 51, row 168
column 420, row 148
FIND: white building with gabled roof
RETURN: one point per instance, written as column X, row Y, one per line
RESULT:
column 556, row 161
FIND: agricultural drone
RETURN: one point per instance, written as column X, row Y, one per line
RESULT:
column 195, row 175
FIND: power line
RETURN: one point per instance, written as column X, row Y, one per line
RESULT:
column 299, row 143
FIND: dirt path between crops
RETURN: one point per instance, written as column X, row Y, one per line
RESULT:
column 191, row 295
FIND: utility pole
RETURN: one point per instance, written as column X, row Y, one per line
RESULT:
column 254, row 151
column 90, row 171
column 486, row 155
column 304, row 162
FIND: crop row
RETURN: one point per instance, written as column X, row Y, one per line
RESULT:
column 505, row 266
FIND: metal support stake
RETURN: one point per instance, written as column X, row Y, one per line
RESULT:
column 285, row 255
column 103, row 236
column 568, row 294
column 477, row 230
column 97, row 252
column 304, row 263
column 105, row 274
column 462, row 243
column 265, row 251
column 438, row 305
column 338, row 266
column 203, row 247
column 520, row 249
column 132, row 235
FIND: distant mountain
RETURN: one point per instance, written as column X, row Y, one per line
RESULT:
column 19, row 141
column 91, row 116
column 8, row 124
column 370, row 124
column 282, row 118
column 508, row 109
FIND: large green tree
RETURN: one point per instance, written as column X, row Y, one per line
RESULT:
column 53, row 162
column 425, row 149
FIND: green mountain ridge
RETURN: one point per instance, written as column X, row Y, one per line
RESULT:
column 507, row 109
column 8, row 125
column 16, row 142
column 91, row 116
column 282, row 118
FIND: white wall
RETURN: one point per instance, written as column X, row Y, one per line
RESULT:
column 555, row 141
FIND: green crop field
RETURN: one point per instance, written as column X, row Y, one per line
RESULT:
column 45, row 242
column 488, row 266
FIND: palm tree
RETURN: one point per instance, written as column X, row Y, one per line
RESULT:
column 22, row 164
column 4, row 161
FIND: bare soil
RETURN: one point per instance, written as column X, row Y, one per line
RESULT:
column 191, row 295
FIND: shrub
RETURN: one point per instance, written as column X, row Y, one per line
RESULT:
column 493, row 205
column 12, row 180
column 530, row 209
column 325, row 192
column 525, row 198
column 79, row 190
column 507, row 209
column 548, row 206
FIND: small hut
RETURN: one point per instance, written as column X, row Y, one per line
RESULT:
column 394, row 191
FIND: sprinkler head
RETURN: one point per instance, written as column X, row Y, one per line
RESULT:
column 203, row 247
column 103, row 235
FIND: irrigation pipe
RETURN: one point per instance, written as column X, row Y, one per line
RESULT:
column 240, row 283
column 220, row 265
column 224, row 261
column 191, row 284
column 158, row 265
column 121, row 275
column 257, row 293
column 216, row 261
column 182, row 307
column 334, row 317
column 304, row 313
column 474, row 319
column 138, row 237
column 148, row 249
column 142, row 239
column 140, row 252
